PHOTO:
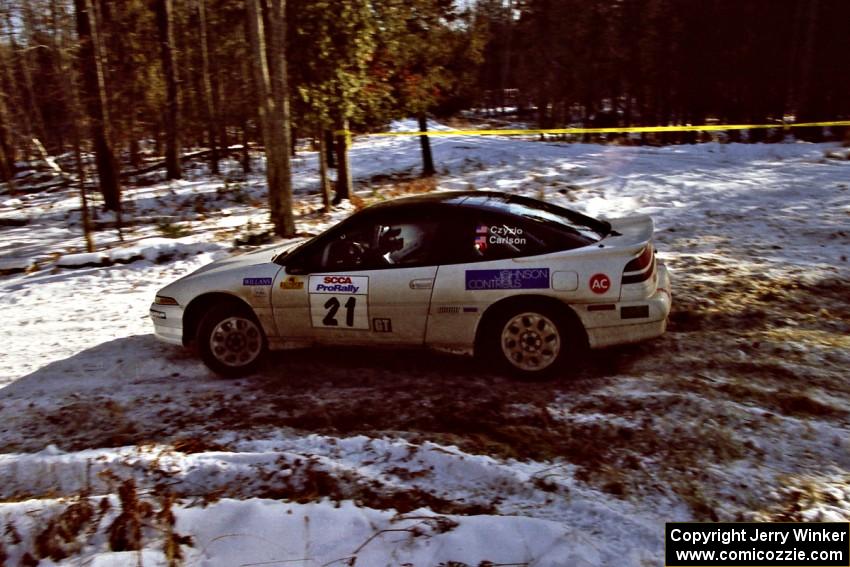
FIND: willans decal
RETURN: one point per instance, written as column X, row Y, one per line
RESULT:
column 256, row 281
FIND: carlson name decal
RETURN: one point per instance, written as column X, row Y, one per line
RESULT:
column 524, row 278
column 486, row 235
column 256, row 281
column 354, row 285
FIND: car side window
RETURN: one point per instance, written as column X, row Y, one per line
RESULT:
column 379, row 244
column 493, row 237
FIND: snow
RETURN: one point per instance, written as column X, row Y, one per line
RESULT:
column 740, row 412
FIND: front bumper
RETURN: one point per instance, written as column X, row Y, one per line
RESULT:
column 167, row 323
column 624, row 324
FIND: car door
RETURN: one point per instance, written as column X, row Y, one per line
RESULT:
column 369, row 282
column 493, row 256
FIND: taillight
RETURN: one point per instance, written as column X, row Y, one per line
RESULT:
column 641, row 268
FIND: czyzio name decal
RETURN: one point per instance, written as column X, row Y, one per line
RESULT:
column 353, row 285
column 256, row 281
column 523, row 278
column 486, row 234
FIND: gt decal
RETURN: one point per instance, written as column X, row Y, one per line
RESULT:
column 256, row 281
column 600, row 283
column 382, row 325
column 339, row 302
column 292, row 282
column 525, row 278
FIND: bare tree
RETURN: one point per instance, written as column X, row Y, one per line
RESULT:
column 343, row 165
column 94, row 87
column 27, row 64
column 7, row 142
column 210, row 99
column 164, row 14
column 323, row 172
column 269, row 67
column 72, row 104
column 7, row 150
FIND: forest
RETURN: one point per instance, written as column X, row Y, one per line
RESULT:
column 169, row 169
column 124, row 85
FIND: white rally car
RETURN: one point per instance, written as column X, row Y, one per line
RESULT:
column 525, row 283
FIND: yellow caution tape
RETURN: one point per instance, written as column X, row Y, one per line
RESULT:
column 628, row 129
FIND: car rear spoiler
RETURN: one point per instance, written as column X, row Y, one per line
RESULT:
column 630, row 232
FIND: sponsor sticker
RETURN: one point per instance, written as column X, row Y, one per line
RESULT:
column 292, row 282
column 339, row 302
column 354, row 285
column 498, row 234
column 256, row 281
column 600, row 283
column 382, row 325
column 523, row 278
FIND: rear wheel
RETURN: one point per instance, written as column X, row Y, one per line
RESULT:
column 530, row 341
column 231, row 341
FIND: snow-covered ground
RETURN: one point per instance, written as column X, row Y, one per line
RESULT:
column 112, row 442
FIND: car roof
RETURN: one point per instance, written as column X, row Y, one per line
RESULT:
column 482, row 200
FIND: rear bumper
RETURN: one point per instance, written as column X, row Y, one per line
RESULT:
column 630, row 321
column 167, row 323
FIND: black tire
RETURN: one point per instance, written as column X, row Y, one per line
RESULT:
column 531, row 341
column 231, row 340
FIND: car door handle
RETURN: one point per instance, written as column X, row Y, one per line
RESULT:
column 426, row 283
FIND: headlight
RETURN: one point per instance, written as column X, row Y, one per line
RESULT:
column 162, row 300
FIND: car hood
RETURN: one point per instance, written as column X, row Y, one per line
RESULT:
column 261, row 256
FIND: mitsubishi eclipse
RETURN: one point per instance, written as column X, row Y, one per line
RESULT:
column 527, row 284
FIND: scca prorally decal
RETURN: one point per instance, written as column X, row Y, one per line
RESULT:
column 256, row 281
column 353, row 285
column 524, row 278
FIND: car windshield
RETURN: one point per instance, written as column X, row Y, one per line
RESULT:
column 557, row 217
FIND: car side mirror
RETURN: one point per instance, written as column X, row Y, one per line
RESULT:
column 296, row 266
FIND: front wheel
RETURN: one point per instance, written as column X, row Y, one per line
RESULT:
column 231, row 341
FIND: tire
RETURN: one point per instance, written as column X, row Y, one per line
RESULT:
column 531, row 341
column 231, row 340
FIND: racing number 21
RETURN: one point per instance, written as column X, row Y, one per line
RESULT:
column 332, row 305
